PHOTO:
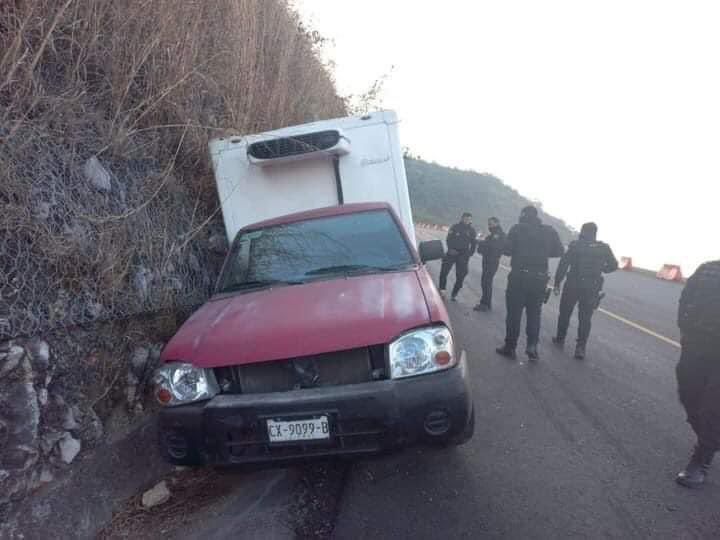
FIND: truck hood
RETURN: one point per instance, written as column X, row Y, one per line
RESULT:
column 301, row 320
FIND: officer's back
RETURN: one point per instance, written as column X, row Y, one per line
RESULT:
column 530, row 243
column 588, row 259
column 699, row 308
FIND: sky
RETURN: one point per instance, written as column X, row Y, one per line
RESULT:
column 606, row 111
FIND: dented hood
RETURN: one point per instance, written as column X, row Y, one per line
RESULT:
column 301, row 320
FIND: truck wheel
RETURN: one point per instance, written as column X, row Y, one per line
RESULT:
column 465, row 435
column 461, row 438
column 469, row 430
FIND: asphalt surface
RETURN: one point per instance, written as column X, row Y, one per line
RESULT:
column 562, row 448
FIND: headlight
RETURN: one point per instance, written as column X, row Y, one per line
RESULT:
column 422, row 351
column 178, row 382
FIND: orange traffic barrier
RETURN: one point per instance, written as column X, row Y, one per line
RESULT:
column 670, row 272
column 626, row 263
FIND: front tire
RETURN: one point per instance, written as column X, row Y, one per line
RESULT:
column 464, row 436
column 467, row 433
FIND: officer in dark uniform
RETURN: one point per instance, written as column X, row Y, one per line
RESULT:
column 461, row 242
column 491, row 249
column 529, row 244
column 698, row 371
column 587, row 259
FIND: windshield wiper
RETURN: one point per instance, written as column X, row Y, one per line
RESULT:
column 353, row 268
column 256, row 284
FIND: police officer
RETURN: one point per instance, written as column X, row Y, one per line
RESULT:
column 698, row 371
column 461, row 242
column 587, row 260
column 529, row 244
column 491, row 249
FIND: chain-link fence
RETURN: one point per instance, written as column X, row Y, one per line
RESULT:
column 87, row 240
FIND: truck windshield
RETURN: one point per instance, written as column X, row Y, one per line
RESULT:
column 363, row 242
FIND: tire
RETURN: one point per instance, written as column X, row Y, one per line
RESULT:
column 464, row 436
column 467, row 433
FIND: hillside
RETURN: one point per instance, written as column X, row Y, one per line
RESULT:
column 441, row 194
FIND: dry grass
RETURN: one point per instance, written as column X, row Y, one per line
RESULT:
column 143, row 85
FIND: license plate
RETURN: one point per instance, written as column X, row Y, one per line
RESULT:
column 306, row 429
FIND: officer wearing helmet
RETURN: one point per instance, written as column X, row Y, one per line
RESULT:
column 584, row 263
column 529, row 244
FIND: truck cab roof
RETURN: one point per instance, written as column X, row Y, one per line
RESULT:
column 337, row 210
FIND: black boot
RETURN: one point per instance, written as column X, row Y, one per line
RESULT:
column 559, row 342
column 532, row 352
column 580, row 351
column 507, row 351
column 481, row 307
column 697, row 469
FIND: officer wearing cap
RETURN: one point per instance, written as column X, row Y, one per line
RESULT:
column 529, row 244
column 584, row 263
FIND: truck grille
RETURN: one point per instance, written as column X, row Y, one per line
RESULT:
column 330, row 369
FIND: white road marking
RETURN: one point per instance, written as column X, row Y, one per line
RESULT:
column 641, row 328
column 628, row 322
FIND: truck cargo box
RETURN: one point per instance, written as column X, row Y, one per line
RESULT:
column 345, row 160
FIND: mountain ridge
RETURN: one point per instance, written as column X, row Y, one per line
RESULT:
column 440, row 194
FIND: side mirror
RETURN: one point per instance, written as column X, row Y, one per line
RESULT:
column 431, row 250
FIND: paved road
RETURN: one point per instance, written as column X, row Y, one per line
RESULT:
column 562, row 448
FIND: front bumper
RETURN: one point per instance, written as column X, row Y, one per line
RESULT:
column 364, row 419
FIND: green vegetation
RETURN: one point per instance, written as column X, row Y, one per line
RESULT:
column 440, row 194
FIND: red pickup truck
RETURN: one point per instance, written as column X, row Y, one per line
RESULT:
column 326, row 336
